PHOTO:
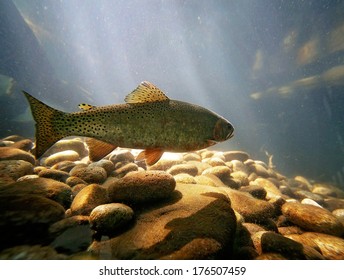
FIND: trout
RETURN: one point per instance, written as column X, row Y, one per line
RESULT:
column 148, row 120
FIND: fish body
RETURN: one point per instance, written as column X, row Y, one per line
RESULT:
column 149, row 120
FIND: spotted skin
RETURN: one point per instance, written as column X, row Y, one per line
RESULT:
column 150, row 122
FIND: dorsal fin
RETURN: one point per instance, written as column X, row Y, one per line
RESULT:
column 146, row 92
column 86, row 107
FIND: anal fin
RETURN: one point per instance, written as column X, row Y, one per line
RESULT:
column 98, row 149
column 150, row 155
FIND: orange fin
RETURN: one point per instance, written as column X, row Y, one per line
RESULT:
column 146, row 92
column 86, row 107
column 98, row 149
column 150, row 155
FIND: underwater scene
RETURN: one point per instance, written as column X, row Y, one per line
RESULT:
column 172, row 129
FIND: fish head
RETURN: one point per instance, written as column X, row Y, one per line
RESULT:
column 223, row 130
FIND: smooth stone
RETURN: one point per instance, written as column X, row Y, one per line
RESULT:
column 73, row 181
column 240, row 177
column 141, row 187
column 15, row 168
column 270, row 188
column 255, row 191
column 68, row 155
column 301, row 194
column 106, row 164
column 196, row 222
column 260, row 170
column 209, row 180
column 73, row 144
column 184, row 178
column 339, row 213
column 57, row 175
column 88, row 199
column 125, row 169
column 237, row 165
column 310, row 202
column 13, row 138
column 304, row 181
column 90, row 174
column 44, row 187
column 25, row 145
column 5, row 180
column 207, row 154
column 312, row 218
column 224, row 174
column 331, row 247
column 252, row 209
column 236, row 155
column 66, row 165
column 183, row 168
column 334, row 203
column 165, row 164
column 71, row 235
column 215, row 161
column 9, row 153
column 286, row 190
column 290, row 230
column 107, row 219
column 77, row 188
column 328, row 190
column 25, row 219
column 26, row 252
column 192, row 157
column 121, row 156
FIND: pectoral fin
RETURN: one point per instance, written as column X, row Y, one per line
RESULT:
column 150, row 155
column 98, row 149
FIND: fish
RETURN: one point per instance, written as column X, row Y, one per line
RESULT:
column 148, row 120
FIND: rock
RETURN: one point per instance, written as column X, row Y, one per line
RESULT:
column 13, row 138
column 310, row 202
column 224, row 174
column 108, row 219
column 240, row 177
column 334, row 203
column 71, row 144
column 90, row 174
column 68, row 155
column 165, row 164
column 9, row 153
column 36, row 252
column 65, row 166
column 252, row 209
column 15, row 168
column 339, row 213
column 304, row 182
column 88, row 199
column 206, row 154
column 301, row 194
column 312, row 218
column 141, row 187
column 5, row 179
column 184, row 178
column 123, row 170
column 270, row 256
column 237, row 165
column 106, row 164
column 25, row 219
column 255, row 191
column 290, row 230
column 73, row 181
column 71, row 235
column 331, row 247
column 192, row 157
column 328, row 190
column 260, row 170
column 270, row 188
column 196, row 222
column 25, row 145
column 183, row 168
column 54, row 174
column 236, row 155
column 209, row 180
column 121, row 156
column 77, row 188
column 44, row 187
column 214, row 161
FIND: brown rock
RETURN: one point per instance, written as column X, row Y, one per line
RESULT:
column 36, row 252
column 121, row 156
column 15, row 168
column 68, row 155
column 184, row 178
column 334, row 203
column 331, row 247
column 25, row 145
column 54, row 174
column 88, row 199
column 65, row 166
column 196, row 222
column 183, row 168
column 269, row 187
column 224, row 174
column 236, row 155
column 192, row 157
column 125, row 169
column 328, row 190
column 106, row 164
column 71, row 144
column 107, row 219
column 9, row 153
column 252, row 209
column 312, row 218
column 48, row 188
column 90, row 174
column 141, row 187
column 73, row 181
column 255, row 191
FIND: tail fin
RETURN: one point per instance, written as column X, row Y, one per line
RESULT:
column 46, row 134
